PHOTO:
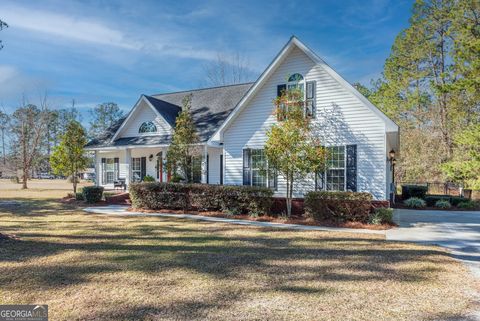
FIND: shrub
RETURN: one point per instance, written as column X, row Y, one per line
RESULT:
column 415, row 202
column 431, row 200
column 381, row 215
column 418, row 191
column 148, row 178
column 338, row 206
column 467, row 204
column 79, row 196
column 201, row 197
column 92, row 194
column 443, row 204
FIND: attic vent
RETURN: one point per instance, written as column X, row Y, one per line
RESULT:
column 147, row 127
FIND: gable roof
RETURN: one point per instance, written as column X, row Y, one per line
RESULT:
column 292, row 43
column 209, row 107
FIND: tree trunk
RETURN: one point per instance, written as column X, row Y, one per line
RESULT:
column 24, row 179
column 3, row 147
column 288, row 198
column 74, row 180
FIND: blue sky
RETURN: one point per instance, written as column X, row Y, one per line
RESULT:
column 98, row 51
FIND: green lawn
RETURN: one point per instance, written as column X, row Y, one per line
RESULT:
column 93, row 267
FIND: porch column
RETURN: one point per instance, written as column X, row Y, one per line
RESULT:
column 128, row 159
column 204, row 165
column 97, row 169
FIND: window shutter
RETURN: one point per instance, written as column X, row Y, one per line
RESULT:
column 116, row 167
column 247, row 167
column 143, row 168
column 221, row 169
column 281, row 89
column 351, row 168
column 104, row 178
column 208, row 168
column 320, row 181
column 310, row 103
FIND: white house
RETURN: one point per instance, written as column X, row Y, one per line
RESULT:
column 232, row 122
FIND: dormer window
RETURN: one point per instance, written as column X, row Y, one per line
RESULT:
column 147, row 127
column 296, row 81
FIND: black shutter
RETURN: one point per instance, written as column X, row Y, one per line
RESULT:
column 246, row 167
column 104, row 175
column 281, row 89
column 310, row 104
column 351, row 168
column 221, row 169
column 116, row 168
column 208, row 168
column 143, row 168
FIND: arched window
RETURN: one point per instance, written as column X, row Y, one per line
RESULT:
column 147, row 127
column 295, row 81
column 295, row 78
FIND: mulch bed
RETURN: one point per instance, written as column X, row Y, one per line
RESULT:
column 292, row 220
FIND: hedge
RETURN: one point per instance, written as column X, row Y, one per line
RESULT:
column 454, row 200
column 201, row 197
column 92, row 194
column 338, row 206
column 409, row 191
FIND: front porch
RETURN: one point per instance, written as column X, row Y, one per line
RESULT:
column 132, row 164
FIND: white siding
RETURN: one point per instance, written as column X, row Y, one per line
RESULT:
column 142, row 114
column 348, row 121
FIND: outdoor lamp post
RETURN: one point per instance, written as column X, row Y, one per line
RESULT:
column 391, row 157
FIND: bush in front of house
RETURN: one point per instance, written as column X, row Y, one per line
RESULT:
column 415, row 202
column 381, row 215
column 201, row 197
column 79, row 196
column 92, row 194
column 467, row 205
column 148, row 178
column 418, row 191
column 443, row 204
column 338, row 206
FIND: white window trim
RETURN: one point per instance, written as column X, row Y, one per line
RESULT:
column 325, row 172
column 267, row 170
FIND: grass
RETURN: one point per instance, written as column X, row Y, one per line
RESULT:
column 94, row 267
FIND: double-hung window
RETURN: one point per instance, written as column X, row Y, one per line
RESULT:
column 259, row 167
column 109, row 170
column 256, row 171
column 334, row 177
column 196, row 173
column 335, row 173
column 308, row 90
column 136, row 169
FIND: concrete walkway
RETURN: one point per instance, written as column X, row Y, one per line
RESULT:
column 457, row 231
column 122, row 210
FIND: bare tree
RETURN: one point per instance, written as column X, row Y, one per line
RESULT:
column 2, row 25
column 28, row 127
column 4, row 121
column 227, row 70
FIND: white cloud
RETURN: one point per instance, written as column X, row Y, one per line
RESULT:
column 98, row 32
column 70, row 27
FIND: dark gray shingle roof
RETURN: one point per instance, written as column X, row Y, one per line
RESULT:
column 210, row 108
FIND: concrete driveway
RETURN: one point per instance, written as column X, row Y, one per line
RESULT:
column 458, row 231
